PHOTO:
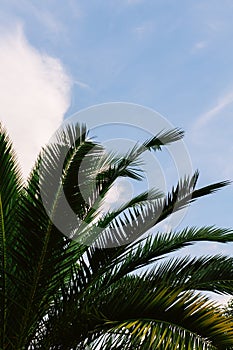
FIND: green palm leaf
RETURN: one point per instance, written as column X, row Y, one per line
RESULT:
column 10, row 185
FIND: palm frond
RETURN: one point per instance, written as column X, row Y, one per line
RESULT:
column 10, row 186
column 164, row 138
column 52, row 255
column 155, row 247
column 126, row 228
column 207, row 273
column 135, row 313
column 110, row 166
column 187, row 310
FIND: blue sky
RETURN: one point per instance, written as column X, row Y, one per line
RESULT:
column 58, row 57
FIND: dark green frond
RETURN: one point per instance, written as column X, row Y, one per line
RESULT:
column 10, row 186
column 136, row 313
column 153, row 248
column 126, row 228
column 207, row 273
column 40, row 273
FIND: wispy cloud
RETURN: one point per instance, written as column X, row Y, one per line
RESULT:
column 48, row 20
column 34, row 94
column 41, row 13
column 82, row 85
column 144, row 29
column 200, row 45
column 206, row 117
column 75, row 7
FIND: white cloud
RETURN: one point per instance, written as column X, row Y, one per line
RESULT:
column 206, row 117
column 34, row 94
column 119, row 194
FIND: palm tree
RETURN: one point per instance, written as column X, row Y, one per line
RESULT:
column 88, row 289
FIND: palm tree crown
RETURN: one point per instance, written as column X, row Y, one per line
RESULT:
column 82, row 290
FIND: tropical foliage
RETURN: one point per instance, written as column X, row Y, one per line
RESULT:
column 228, row 308
column 104, row 285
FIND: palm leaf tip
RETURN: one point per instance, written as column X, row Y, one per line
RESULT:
column 164, row 138
column 8, row 154
column 210, row 189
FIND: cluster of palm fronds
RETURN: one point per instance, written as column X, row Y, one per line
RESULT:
column 81, row 290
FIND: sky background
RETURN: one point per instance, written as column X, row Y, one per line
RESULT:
column 176, row 57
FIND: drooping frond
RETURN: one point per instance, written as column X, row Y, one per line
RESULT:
column 167, row 305
column 135, row 312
